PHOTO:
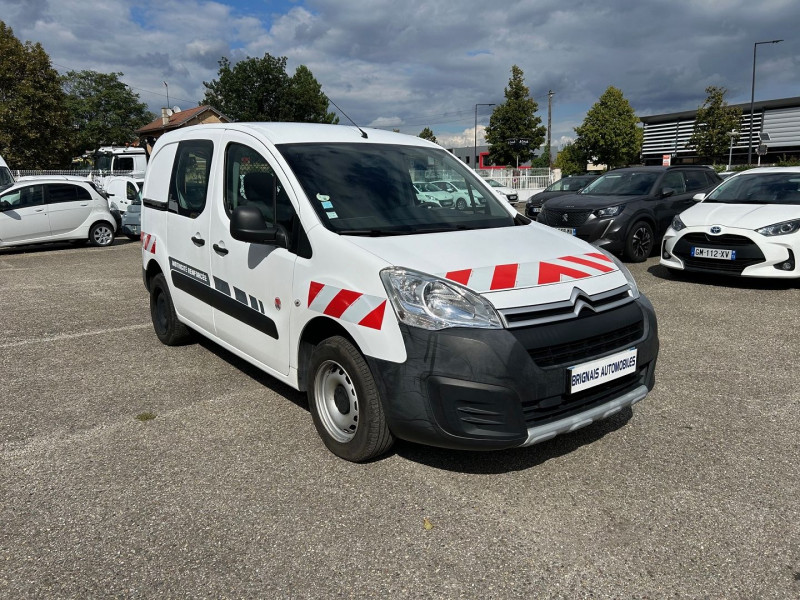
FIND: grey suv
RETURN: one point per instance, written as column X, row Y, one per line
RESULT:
column 626, row 211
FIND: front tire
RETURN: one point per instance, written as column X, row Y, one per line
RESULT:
column 101, row 234
column 640, row 242
column 169, row 330
column 461, row 204
column 345, row 403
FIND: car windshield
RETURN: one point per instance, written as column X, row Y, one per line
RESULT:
column 366, row 189
column 758, row 188
column 629, row 183
column 567, row 184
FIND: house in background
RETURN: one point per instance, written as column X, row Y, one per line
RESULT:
column 174, row 118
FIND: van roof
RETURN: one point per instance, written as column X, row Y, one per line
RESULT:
column 294, row 133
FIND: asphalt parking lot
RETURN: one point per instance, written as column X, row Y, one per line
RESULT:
column 229, row 493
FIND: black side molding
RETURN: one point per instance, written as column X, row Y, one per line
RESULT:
column 150, row 203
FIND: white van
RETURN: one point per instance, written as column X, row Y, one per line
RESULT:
column 121, row 159
column 6, row 178
column 304, row 249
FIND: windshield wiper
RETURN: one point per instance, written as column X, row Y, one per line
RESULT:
column 373, row 232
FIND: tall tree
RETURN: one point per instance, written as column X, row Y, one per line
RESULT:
column 33, row 114
column 102, row 110
column 571, row 160
column 515, row 119
column 610, row 134
column 714, row 121
column 427, row 134
column 259, row 89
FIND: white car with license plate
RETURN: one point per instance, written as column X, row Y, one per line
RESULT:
column 432, row 192
column 749, row 226
column 503, row 192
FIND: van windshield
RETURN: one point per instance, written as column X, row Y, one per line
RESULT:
column 369, row 189
column 5, row 178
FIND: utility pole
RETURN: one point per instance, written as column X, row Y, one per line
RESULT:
column 549, row 122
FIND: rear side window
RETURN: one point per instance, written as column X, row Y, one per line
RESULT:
column 190, row 174
column 696, row 180
column 123, row 163
column 132, row 192
column 65, row 192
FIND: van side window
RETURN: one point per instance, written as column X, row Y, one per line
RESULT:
column 250, row 180
column 131, row 191
column 190, row 174
column 123, row 163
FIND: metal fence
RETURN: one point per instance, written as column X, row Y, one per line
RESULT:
column 98, row 177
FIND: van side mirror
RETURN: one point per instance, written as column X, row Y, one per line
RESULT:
column 699, row 197
column 248, row 225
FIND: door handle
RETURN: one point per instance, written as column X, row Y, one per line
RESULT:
column 198, row 241
column 39, row 210
column 220, row 250
column 84, row 204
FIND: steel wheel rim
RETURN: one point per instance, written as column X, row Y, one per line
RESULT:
column 642, row 242
column 333, row 391
column 102, row 235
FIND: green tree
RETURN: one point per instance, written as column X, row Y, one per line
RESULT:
column 542, row 161
column 714, row 121
column 102, row 110
column 515, row 119
column 259, row 89
column 571, row 160
column 610, row 134
column 33, row 114
column 427, row 134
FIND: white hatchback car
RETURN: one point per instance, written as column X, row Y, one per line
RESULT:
column 749, row 225
column 52, row 209
column 503, row 192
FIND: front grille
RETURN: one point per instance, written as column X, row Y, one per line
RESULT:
column 557, row 311
column 556, row 218
column 588, row 348
column 548, row 410
column 747, row 253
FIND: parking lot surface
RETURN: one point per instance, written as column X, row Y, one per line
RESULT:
column 228, row 492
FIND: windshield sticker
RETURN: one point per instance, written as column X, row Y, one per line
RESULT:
column 323, row 197
column 332, row 215
column 522, row 275
column 327, row 205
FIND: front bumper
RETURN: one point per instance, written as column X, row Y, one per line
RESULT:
column 494, row 389
column 756, row 255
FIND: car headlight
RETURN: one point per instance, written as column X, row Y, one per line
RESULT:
column 784, row 228
column 677, row 224
column 429, row 302
column 624, row 270
column 611, row 211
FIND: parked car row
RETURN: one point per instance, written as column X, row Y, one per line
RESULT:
column 53, row 208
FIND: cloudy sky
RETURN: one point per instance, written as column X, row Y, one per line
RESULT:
column 427, row 63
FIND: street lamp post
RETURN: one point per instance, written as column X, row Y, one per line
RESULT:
column 752, row 99
column 475, row 146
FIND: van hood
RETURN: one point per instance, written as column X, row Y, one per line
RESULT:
column 740, row 216
column 510, row 266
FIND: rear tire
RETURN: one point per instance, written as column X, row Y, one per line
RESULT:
column 461, row 204
column 639, row 243
column 345, row 403
column 169, row 330
column 101, row 234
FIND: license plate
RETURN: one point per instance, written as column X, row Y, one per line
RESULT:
column 714, row 253
column 536, row 209
column 569, row 230
column 602, row 370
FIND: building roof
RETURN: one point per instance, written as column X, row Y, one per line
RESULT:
column 179, row 118
column 757, row 105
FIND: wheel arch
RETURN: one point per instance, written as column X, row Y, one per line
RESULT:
column 316, row 330
column 153, row 269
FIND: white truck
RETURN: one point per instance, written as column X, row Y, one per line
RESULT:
column 121, row 160
column 304, row 249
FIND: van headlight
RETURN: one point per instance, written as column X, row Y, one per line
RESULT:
column 429, row 302
column 624, row 270
column 784, row 228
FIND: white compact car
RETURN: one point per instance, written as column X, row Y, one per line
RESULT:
column 302, row 249
column 53, row 209
column 503, row 192
column 749, row 225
